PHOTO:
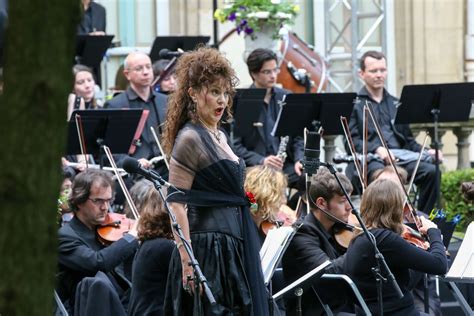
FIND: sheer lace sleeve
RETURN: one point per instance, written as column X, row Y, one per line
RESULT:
column 185, row 159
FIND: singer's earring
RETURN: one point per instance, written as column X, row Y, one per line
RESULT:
column 194, row 105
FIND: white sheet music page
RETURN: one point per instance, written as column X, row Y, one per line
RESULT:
column 271, row 250
column 462, row 268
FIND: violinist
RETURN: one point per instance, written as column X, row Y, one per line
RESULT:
column 150, row 265
column 267, row 185
column 399, row 138
column 382, row 211
column 417, row 282
column 86, row 266
column 314, row 243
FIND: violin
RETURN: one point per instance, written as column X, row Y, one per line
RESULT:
column 266, row 225
column 344, row 234
column 114, row 227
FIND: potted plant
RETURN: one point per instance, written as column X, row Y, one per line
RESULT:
column 259, row 20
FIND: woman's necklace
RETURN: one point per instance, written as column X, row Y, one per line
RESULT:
column 215, row 133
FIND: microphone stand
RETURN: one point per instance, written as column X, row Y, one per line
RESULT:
column 199, row 276
column 314, row 164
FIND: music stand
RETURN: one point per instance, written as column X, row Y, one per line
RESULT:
column 172, row 43
column 304, row 110
column 114, row 128
column 436, row 103
column 90, row 49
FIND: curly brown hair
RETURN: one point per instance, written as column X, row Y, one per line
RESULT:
column 154, row 221
column 196, row 69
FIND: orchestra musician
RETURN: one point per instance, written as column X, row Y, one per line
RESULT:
column 399, row 138
column 211, row 208
column 314, row 243
column 382, row 211
column 139, row 95
column 261, row 148
column 86, row 266
column 151, row 262
column 168, row 84
column 82, row 96
column 267, row 186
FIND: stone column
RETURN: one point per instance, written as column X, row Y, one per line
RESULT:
column 463, row 134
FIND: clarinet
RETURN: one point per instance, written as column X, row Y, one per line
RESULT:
column 282, row 148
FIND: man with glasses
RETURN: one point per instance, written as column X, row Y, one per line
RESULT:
column 86, row 266
column 399, row 138
column 139, row 95
column 261, row 148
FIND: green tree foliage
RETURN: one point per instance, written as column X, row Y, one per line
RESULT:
column 38, row 58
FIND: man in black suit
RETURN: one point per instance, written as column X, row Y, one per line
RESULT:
column 93, row 20
column 81, row 256
column 314, row 243
column 261, row 148
column 400, row 141
column 139, row 95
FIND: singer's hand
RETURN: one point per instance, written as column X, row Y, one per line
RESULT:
column 299, row 168
column 384, row 154
column 273, row 161
column 145, row 163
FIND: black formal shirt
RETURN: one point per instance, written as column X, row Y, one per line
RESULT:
column 82, row 255
column 150, row 272
column 400, row 257
column 311, row 246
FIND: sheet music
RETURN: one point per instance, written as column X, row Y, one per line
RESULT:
column 272, row 249
column 462, row 268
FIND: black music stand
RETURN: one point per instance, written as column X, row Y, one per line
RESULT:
column 435, row 103
column 307, row 110
column 172, row 43
column 114, row 128
column 247, row 106
column 90, row 50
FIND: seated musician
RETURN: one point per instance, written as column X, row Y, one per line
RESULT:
column 382, row 211
column 150, row 265
column 268, row 186
column 83, row 259
column 261, row 148
column 140, row 95
column 400, row 141
column 417, row 280
column 315, row 242
column 168, row 83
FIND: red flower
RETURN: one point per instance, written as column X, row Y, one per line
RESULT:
column 251, row 197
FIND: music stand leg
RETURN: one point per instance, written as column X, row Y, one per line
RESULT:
column 435, row 113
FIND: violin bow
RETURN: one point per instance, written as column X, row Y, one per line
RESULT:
column 347, row 134
column 80, row 136
column 128, row 197
column 420, row 155
column 155, row 136
column 166, row 71
column 384, row 144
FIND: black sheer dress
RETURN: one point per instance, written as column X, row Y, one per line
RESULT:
column 224, row 237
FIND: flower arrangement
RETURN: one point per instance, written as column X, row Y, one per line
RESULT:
column 249, row 15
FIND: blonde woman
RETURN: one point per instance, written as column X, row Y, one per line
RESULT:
column 267, row 185
column 382, row 211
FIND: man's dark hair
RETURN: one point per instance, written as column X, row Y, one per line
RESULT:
column 373, row 54
column 82, row 184
column 258, row 57
column 324, row 184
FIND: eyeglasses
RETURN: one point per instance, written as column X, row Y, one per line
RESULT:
column 100, row 202
column 141, row 68
column 269, row 71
